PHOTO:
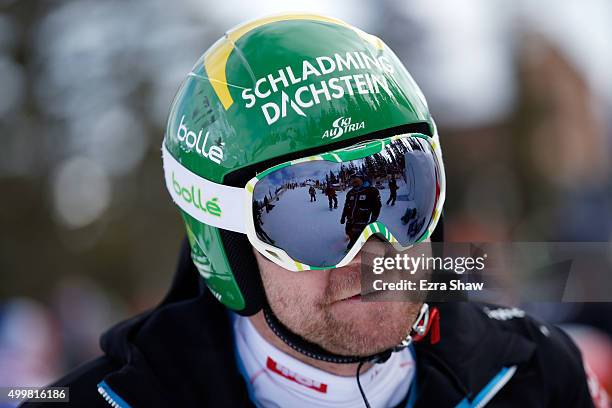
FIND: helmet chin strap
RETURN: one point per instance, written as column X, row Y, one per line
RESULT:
column 312, row 350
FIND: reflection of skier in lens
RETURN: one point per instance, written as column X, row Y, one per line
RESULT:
column 393, row 190
column 362, row 207
column 330, row 192
column 258, row 223
column 312, row 193
column 266, row 204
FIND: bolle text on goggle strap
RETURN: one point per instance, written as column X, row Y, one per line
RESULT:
column 208, row 202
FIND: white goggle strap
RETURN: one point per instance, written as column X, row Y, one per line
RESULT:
column 208, row 202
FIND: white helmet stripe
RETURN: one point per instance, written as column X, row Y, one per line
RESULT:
column 208, row 202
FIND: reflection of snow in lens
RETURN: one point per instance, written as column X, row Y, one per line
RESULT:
column 11, row 86
column 323, row 238
column 81, row 192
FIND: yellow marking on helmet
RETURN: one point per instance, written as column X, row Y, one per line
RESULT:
column 249, row 188
column 190, row 235
column 305, row 159
column 215, row 60
column 366, row 233
column 299, row 266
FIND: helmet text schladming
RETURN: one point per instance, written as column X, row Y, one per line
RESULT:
column 314, row 93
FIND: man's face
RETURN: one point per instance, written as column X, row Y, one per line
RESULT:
column 316, row 305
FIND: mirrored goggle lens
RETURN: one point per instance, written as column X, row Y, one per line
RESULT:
column 316, row 210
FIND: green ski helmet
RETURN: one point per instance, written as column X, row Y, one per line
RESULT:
column 270, row 91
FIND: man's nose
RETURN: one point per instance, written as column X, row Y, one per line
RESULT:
column 375, row 246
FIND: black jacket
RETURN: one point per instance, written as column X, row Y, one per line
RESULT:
column 180, row 354
column 362, row 206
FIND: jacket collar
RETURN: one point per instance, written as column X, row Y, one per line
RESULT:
column 468, row 339
column 179, row 353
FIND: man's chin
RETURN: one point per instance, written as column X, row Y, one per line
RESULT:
column 370, row 314
column 365, row 328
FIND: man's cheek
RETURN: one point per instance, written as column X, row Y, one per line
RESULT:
column 306, row 284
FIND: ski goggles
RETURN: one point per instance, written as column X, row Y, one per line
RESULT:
column 318, row 212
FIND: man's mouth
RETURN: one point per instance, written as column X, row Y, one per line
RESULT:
column 354, row 297
column 371, row 295
column 360, row 296
column 351, row 297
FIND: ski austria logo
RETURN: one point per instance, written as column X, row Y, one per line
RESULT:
column 191, row 140
column 342, row 78
column 341, row 126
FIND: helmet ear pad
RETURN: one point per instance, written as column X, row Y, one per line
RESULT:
column 243, row 263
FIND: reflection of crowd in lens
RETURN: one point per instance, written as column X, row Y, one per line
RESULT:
column 330, row 192
column 266, row 204
column 257, row 209
column 364, row 180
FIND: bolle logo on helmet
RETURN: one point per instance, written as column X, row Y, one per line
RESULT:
column 193, row 195
column 191, row 140
column 342, row 81
column 341, row 126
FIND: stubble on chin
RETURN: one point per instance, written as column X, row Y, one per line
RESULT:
column 361, row 328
